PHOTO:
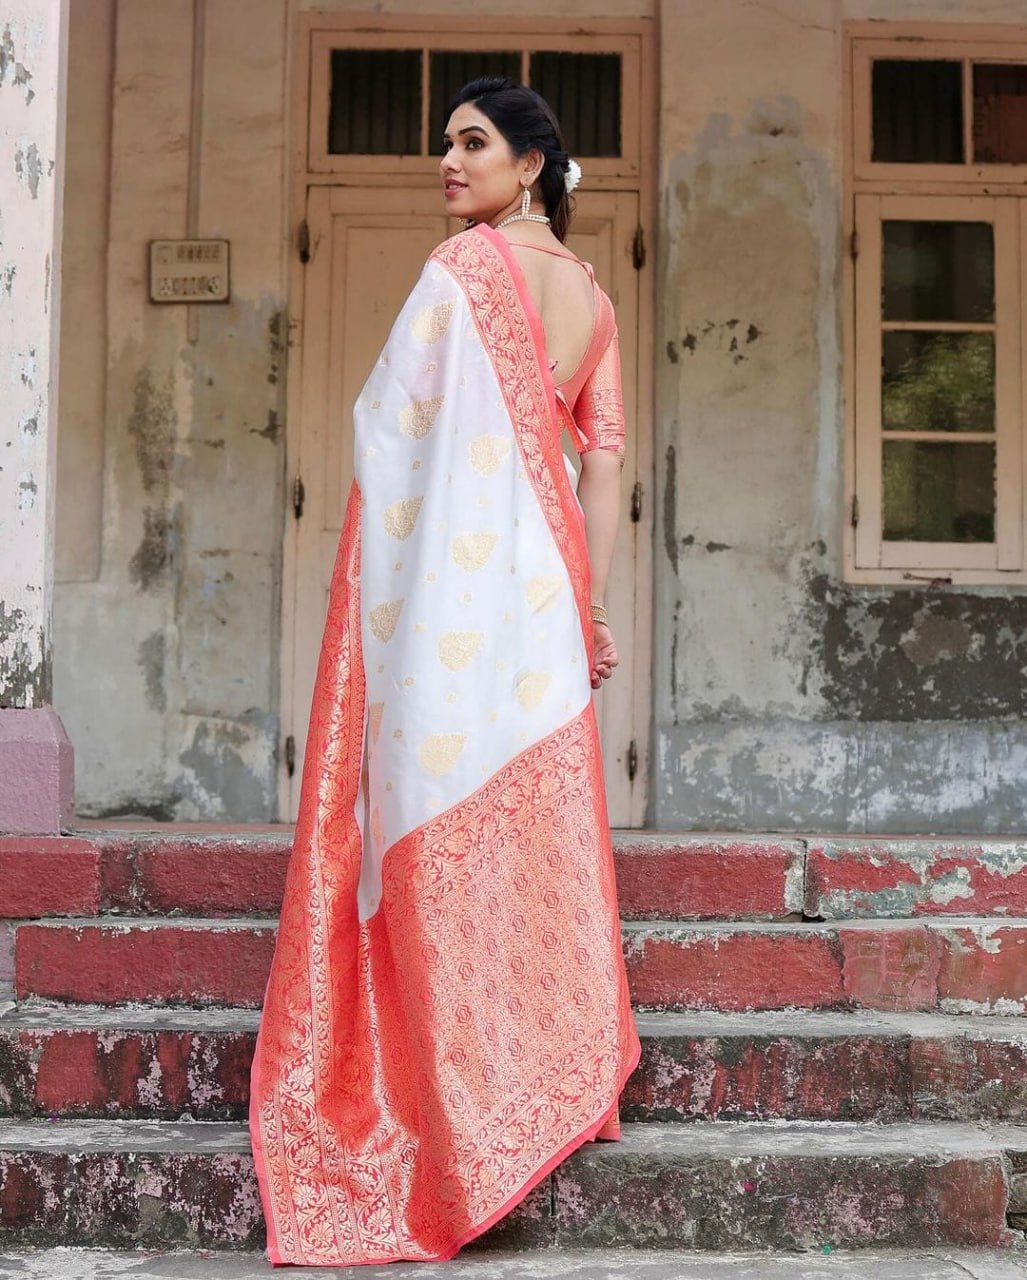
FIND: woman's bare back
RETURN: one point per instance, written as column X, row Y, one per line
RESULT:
column 564, row 296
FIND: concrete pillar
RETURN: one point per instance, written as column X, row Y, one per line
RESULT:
column 36, row 764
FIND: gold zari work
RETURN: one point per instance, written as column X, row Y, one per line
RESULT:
column 458, row 648
column 384, row 618
column 542, row 591
column 488, row 453
column 418, row 418
column 400, row 517
column 431, row 323
column 531, row 688
column 472, row 550
column 439, row 752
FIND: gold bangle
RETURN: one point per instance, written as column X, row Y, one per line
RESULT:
column 599, row 614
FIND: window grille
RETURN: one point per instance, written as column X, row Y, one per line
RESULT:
column 938, row 180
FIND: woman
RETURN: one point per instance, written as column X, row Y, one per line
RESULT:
column 447, row 1016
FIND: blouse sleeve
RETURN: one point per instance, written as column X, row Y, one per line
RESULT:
column 599, row 408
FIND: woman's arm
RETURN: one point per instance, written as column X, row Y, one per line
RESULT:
column 599, row 495
column 599, row 417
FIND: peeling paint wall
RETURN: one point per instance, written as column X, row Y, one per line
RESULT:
column 786, row 699
column 168, row 628
column 166, row 665
column 32, row 40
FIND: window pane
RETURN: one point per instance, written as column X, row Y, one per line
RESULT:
column 375, row 104
column 939, row 271
column 917, row 112
column 1000, row 114
column 584, row 91
column 939, row 492
column 938, row 382
column 449, row 72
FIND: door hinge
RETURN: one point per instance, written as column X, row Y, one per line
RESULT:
column 298, row 496
column 290, row 755
column 854, row 246
column 854, row 513
column 636, row 502
column 303, row 241
column 632, row 760
column 638, row 248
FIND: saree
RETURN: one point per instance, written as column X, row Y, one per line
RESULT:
column 447, row 1015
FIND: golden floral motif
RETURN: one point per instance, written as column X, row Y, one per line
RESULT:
column 542, row 591
column 374, row 716
column 400, row 517
column 488, row 453
column 472, row 550
column 532, row 687
column 458, row 648
column 431, row 323
column 439, row 752
column 418, row 417
column 384, row 618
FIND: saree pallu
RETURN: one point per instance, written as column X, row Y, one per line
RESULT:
column 447, row 1015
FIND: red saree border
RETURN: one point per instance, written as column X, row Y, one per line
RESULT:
column 483, row 265
column 335, row 732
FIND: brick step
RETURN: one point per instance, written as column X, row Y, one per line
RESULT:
column 555, row 1264
column 151, row 1184
column 661, row 875
column 953, row 964
column 128, row 1063
column 957, row 965
column 854, row 878
column 233, row 875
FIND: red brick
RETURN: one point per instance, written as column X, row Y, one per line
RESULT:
column 224, row 877
column 984, row 965
column 157, row 1073
column 168, row 964
column 47, row 876
column 915, row 877
column 969, row 1078
column 735, row 969
column 702, row 879
column 890, row 968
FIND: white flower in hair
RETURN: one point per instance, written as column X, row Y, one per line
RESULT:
column 573, row 175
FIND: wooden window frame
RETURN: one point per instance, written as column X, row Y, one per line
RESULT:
column 448, row 35
column 876, row 192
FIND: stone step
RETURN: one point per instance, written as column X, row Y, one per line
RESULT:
column 95, row 1061
column 554, row 1264
column 926, row 876
column 957, row 965
column 661, row 875
column 151, row 1184
column 153, row 873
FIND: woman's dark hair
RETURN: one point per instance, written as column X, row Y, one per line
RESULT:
column 527, row 122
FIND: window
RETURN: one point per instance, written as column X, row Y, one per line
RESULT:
column 379, row 99
column 938, row 172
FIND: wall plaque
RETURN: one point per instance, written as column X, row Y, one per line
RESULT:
column 189, row 271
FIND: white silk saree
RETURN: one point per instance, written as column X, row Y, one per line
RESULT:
column 447, row 1016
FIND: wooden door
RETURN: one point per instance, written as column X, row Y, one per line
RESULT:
column 367, row 247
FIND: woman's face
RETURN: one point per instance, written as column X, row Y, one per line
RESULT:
column 482, row 177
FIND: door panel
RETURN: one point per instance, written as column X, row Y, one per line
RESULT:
column 368, row 246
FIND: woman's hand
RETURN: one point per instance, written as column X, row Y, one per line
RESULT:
column 604, row 657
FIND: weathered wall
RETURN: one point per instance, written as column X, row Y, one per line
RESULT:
column 168, row 611
column 32, row 86
column 166, row 662
column 785, row 698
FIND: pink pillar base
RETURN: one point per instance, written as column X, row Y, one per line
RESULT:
column 37, row 773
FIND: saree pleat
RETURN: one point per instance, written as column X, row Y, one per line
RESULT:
column 447, row 1015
